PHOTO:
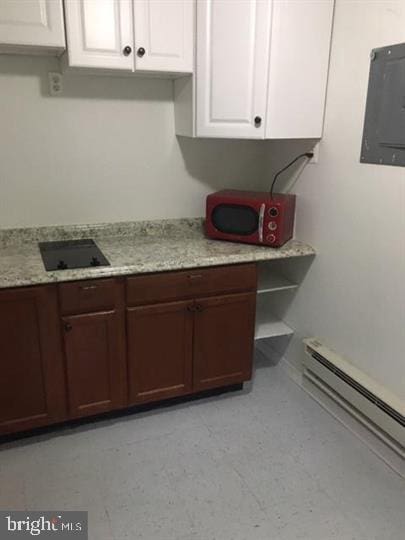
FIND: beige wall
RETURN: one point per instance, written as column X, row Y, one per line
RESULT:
column 354, row 214
column 104, row 151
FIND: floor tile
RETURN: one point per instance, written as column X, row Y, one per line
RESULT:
column 265, row 463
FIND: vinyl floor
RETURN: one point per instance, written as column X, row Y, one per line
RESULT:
column 265, row 463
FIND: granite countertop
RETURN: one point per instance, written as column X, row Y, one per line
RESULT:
column 131, row 248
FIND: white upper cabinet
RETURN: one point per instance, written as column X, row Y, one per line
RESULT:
column 100, row 34
column 299, row 61
column 261, row 70
column 131, row 35
column 164, row 34
column 31, row 26
column 232, row 66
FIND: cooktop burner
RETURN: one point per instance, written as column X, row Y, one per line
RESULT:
column 68, row 254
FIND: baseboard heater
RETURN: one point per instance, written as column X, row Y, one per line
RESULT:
column 368, row 401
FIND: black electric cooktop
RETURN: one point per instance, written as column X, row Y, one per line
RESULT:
column 68, row 254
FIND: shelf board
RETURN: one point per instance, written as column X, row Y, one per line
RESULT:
column 270, row 282
column 271, row 327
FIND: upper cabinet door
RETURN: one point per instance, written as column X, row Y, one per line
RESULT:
column 232, row 65
column 299, row 61
column 164, row 35
column 99, row 33
column 32, row 23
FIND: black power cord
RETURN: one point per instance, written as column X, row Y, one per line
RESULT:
column 308, row 155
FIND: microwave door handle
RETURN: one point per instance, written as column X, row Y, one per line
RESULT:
column 261, row 222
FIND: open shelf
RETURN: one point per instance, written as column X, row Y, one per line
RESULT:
column 271, row 281
column 277, row 276
column 271, row 327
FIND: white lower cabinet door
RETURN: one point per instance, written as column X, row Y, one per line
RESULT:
column 233, row 38
column 100, row 34
column 164, row 35
column 31, row 24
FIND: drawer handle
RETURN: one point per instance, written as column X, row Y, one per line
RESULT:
column 88, row 287
column 195, row 276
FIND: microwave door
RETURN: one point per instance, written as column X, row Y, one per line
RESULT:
column 244, row 221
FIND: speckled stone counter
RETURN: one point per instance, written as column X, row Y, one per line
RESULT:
column 131, row 248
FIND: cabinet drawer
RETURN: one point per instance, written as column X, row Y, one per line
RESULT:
column 187, row 284
column 89, row 296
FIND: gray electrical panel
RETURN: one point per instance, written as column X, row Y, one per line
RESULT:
column 384, row 123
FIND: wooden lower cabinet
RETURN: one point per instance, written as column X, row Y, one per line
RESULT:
column 77, row 349
column 181, row 347
column 204, row 341
column 223, row 340
column 95, row 362
column 160, row 351
column 32, row 385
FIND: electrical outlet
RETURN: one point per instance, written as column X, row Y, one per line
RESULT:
column 55, row 83
column 315, row 150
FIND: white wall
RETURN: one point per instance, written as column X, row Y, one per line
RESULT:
column 354, row 214
column 104, row 151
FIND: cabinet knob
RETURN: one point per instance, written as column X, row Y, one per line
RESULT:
column 127, row 50
column 68, row 327
column 195, row 308
column 140, row 52
column 258, row 121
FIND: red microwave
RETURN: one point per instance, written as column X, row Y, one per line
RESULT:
column 252, row 217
